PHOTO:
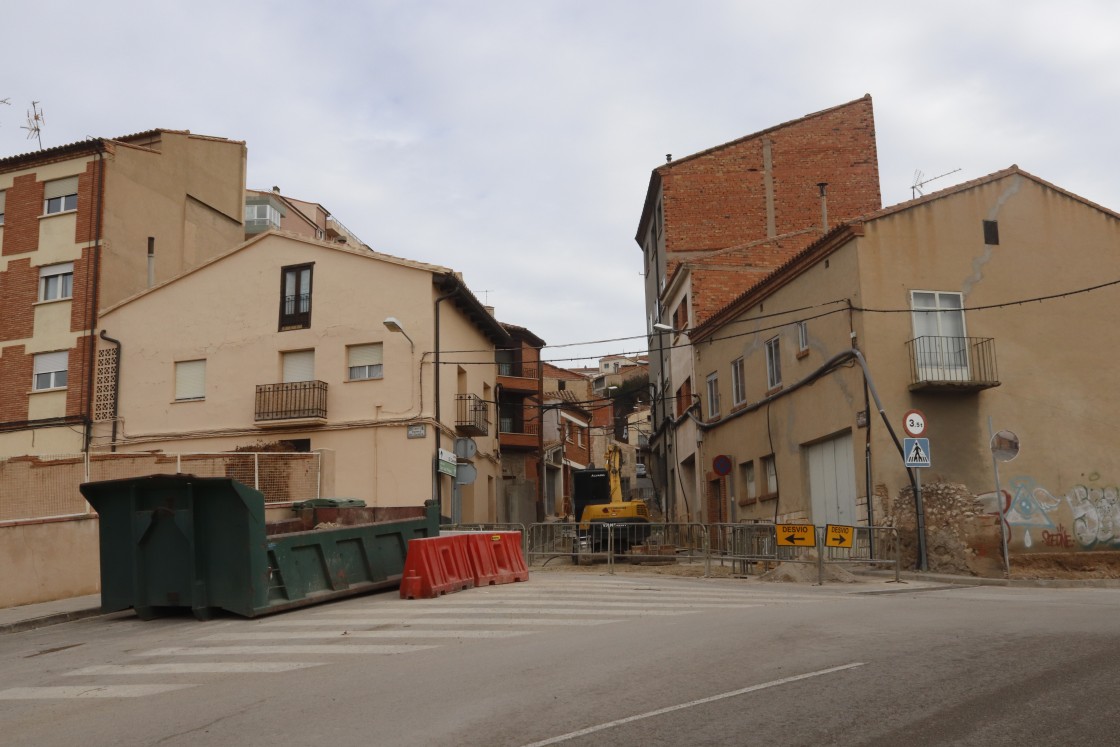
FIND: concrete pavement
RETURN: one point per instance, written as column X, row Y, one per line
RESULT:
column 31, row 616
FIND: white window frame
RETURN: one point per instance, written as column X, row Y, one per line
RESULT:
column 364, row 362
column 802, row 336
column 774, row 362
column 49, row 371
column 749, row 480
column 60, row 196
column 738, row 382
column 190, row 380
column 56, row 282
column 713, row 395
column 946, row 358
column 771, row 469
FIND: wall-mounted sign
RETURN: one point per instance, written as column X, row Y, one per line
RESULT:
column 417, row 430
column 722, row 465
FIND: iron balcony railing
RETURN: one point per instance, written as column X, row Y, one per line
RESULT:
column 292, row 400
column 953, row 363
column 472, row 414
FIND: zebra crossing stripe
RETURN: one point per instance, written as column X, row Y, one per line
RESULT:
column 316, row 648
column 223, row 667
column 86, row 691
column 357, row 619
column 467, row 608
column 335, row 634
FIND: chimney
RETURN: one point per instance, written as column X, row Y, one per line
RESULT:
column 823, row 186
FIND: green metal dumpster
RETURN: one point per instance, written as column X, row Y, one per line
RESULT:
column 181, row 541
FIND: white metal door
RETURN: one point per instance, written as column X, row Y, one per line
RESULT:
column 832, row 481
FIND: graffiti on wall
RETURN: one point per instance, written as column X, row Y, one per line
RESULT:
column 1084, row 518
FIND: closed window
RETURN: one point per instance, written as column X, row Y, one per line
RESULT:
column 802, row 336
column 713, row 395
column 771, row 474
column 60, row 196
column 364, row 361
column 50, row 370
column 773, row 363
column 298, row 365
column 295, row 297
column 190, row 380
column 738, row 382
column 747, row 470
column 262, row 216
column 2, row 200
column 56, row 281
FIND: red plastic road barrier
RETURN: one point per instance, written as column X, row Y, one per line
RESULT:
column 435, row 566
column 503, row 552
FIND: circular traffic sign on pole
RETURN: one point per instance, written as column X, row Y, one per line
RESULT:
column 914, row 422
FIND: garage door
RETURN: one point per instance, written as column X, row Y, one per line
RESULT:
column 832, row 481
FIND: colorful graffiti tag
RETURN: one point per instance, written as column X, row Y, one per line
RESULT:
column 1093, row 515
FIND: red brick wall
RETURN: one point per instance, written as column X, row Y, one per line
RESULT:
column 23, row 206
column 16, row 368
column 79, row 308
column 76, row 380
column 87, row 194
column 19, row 289
column 718, row 199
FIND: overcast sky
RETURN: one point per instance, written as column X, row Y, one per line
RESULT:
column 513, row 141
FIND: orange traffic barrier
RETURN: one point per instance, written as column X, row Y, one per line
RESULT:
column 435, row 566
column 496, row 557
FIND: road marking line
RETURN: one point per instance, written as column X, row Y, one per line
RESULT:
column 343, row 634
column 358, row 620
column 316, row 648
column 460, row 609
column 86, row 691
column 690, row 704
column 228, row 667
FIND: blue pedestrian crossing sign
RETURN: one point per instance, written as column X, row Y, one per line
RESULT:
column 916, row 451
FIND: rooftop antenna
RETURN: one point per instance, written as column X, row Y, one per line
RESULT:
column 34, row 124
column 916, row 187
column 6, row 101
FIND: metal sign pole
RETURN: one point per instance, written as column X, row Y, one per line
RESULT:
column 923, row 559
column 999, row 503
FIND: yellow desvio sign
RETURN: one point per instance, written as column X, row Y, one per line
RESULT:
column 797, row 535
column 838, row 535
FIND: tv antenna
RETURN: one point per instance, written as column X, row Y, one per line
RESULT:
column 916, row 187
column 6, row 101
column 34, row 124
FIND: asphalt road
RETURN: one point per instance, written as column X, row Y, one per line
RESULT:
column 588, row 659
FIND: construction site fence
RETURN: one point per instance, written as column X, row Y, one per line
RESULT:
column 45, row 486
column 746, row 547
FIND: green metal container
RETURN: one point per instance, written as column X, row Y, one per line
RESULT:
column 180, row 541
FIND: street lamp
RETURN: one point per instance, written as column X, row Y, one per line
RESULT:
column 394, row 325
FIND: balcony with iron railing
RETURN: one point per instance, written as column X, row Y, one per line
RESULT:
column 472, row 415
column 952, row 364
column 281, row 404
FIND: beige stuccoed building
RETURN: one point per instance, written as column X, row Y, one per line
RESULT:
column 372, row 361
column 985, row 307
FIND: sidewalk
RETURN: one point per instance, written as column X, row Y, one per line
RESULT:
column 31, row 616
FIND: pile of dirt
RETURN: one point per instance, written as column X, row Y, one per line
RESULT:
column 807, row 573
column 1066, row 565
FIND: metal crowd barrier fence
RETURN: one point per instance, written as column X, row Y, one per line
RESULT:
column 870, row 546
column 741, row 545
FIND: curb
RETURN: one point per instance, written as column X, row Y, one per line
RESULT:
column 47, row 620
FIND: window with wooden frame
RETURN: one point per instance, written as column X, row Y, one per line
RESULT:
column 295, row 297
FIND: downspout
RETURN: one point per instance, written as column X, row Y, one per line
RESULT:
column 94, row 284
column 116, row 388
column 541, row 482
column 437, row 482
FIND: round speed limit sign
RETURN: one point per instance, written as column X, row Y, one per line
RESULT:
column 915, row 423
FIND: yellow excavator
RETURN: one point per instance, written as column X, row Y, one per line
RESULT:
column 604, row 516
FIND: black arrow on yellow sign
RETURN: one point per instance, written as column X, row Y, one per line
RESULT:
column 795, row 538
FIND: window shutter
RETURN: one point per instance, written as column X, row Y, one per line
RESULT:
column 299, row 366
column 62, row 268
column 60, row 187
column 190, row 379
column 2, row 200
column 365, row 355
column 48, row 362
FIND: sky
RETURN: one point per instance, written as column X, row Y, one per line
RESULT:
column 513, row 140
